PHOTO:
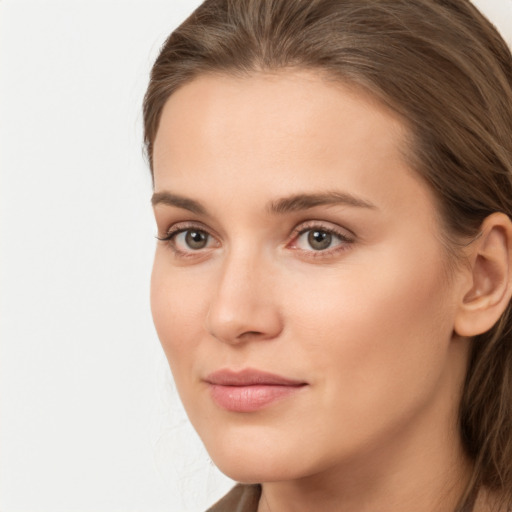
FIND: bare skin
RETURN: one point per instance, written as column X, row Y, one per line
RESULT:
column 299, row 243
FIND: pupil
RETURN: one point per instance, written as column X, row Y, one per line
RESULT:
column 196, row 239
column 319, row 240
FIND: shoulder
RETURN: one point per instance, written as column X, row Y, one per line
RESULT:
column 242, row 498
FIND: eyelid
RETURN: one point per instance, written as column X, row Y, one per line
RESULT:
column 323, row 225
column 179, row 227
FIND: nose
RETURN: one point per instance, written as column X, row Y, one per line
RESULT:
column 243, row 306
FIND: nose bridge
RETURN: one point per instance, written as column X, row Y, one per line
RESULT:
column 243, row 303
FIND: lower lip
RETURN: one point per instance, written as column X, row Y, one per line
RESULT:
column 250, row 398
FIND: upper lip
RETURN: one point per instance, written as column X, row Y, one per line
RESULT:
column 249, row 377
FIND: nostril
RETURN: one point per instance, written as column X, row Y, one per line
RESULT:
column 249, row 334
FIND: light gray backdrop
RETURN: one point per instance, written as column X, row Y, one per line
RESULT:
column 89, row 420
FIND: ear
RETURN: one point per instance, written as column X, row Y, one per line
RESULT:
column 487, row 291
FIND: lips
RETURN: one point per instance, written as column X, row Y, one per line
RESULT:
column 250, row 390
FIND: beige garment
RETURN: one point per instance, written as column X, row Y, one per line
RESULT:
column 245, row 498
column 242, row 498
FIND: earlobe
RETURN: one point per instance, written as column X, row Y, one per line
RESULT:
column 490, row 283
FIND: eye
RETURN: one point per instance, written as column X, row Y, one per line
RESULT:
column 184, row 240
column 194, row 239
column 317, row 239
column 320, row 239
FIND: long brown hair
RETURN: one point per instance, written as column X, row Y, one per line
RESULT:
column 447, row 72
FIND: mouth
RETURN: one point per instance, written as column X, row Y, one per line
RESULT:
column 250, row 390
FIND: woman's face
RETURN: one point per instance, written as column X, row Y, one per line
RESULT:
column 302, row 295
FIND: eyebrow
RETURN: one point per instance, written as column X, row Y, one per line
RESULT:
column 299, row 202
column 293, row 203
column 179, row 201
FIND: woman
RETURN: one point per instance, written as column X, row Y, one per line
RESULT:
column 332, row 190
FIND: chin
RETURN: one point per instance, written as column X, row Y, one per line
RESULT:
column 248, row 471
column 256, row 459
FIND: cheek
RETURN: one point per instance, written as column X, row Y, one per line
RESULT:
column 177, row 309
column 378, row 333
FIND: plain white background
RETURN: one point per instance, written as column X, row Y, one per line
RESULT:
column 90, row 421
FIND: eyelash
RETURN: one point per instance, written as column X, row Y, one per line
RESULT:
column 177, row 229
column 344, row 239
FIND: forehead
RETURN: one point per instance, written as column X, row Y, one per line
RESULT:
column 224, row 109
column 280, row 132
